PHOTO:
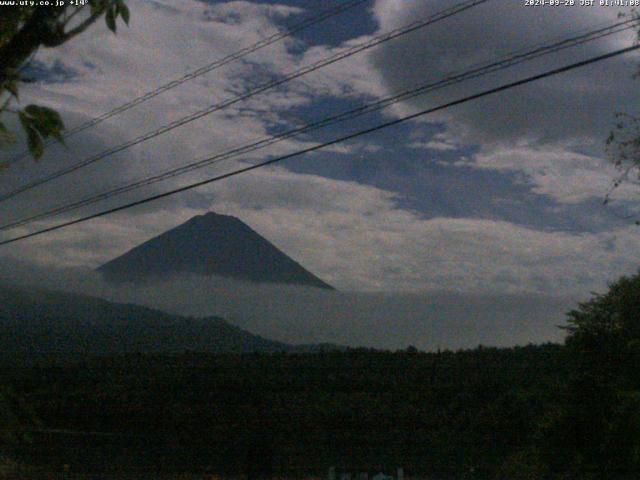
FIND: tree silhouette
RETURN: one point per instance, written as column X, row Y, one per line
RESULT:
column 598, row 433
column 23, row 30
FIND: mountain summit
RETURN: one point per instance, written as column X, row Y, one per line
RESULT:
column 210, row 244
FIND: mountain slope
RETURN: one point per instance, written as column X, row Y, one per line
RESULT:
column 38, row 323
column 209, row 244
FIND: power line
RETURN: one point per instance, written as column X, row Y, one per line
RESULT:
column 360, row 133
column 265, row 42
column 485, row 68
column 377, row 40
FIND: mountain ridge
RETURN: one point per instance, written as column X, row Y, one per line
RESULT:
column 209, row 244
column 38, row 323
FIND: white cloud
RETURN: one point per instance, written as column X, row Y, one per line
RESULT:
column 355, row 236
column 110, row 69
column 567, row 176
column 433, row 145
column 534, row 129
column 358, row 238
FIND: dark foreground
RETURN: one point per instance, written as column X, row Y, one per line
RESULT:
column 567, row 411
column 289, row 414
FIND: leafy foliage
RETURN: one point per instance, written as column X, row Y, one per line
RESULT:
column 23, row 30
column 623, row 142
column 15, row 415
column 597, row 434
column 39, row 123
column 623, row 148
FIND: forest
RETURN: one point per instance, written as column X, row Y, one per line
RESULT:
column 428, row 412
column 546, row 411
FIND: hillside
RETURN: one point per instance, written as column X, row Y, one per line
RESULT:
column 37, row 323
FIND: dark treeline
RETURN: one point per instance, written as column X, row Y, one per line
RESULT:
column 429, row 412
column 549, row 411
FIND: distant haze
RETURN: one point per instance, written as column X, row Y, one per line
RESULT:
column 427, row 320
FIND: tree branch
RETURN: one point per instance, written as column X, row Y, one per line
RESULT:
column 80, row 28
column 15, row 52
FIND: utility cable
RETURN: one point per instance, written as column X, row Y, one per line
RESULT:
column 265, row 42
column 344, row 138
column 377, row 40
column 511, row 60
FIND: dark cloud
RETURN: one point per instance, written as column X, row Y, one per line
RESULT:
column 575, row 105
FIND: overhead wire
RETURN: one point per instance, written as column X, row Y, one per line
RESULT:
column 381, row 126
column 243, row 52
column 376, row 40
column 482, row 69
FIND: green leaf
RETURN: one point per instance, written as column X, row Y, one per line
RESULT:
column 124, row 11
column 111, row 19
column 57, row 134
column 35, row 143
column 46, row 114
column 32, row 109
column 25, row 121
column 40, row 123
column 46, row 121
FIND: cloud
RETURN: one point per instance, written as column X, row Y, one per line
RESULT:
column 572, row 106
column 109, row 69
column 567, row 176
column 357, row 237
column 434, row 145
column 552, row 130
column 427, row 320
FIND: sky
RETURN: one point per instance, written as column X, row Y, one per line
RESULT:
column 497, row 197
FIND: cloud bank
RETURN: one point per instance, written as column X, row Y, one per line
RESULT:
column 427, row 320
column 357, row 236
